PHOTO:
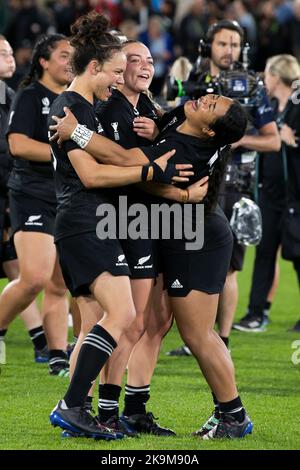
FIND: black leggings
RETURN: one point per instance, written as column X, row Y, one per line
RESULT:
column 266, row 253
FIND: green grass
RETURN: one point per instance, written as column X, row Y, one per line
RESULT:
column 267, row 379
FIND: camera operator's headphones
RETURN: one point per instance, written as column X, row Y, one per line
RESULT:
column 205, row 44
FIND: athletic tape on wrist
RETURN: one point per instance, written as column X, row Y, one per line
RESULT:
column 81, row 135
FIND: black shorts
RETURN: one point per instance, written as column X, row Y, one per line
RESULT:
column 141, row 258
column 29, row 214
column 227, row 199
column 84, row 257
column 198, row 270
column 7, row 248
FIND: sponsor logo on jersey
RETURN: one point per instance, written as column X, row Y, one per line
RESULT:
column 32, row 220
column 176, row 285
column 100, row 129
column 141, row 263
column 115, row 126
column 46, row 105
column 121, row 261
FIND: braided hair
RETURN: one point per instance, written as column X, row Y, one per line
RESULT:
column 42, row 50
column 91, row 39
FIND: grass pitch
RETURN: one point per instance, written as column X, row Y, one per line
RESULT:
column 267, row 378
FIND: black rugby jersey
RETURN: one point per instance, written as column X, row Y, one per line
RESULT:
column 5, row 159
column 77, row 205
column 117, row 116
column 203, row 155
column 28, row 116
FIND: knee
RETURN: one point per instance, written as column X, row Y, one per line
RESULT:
column 137, row 328
column 56, row 289
column 128, row 316
column 34, row 285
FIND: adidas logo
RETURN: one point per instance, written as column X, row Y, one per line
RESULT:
column 176, row 285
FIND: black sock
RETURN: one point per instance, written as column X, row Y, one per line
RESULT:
column 225, row 340
column 233, row 407
column 136, row 399
column 108, row 404
column 2, row 334
column 38, row 337
column 94, row 352
column 267, row 307
column 217, row 406
column 57, row 355
column 88, row 404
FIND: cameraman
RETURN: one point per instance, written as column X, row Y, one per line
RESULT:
column 223, row 48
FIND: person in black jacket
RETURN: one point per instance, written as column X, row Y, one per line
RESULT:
column 279, row 182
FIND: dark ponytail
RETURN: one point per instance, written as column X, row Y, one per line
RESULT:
column 42, row 50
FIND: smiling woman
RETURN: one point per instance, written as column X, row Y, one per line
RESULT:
column 32, row 195
column 92, row 266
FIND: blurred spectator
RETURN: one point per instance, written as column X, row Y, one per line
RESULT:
column 283, row 10
column 29, row 22
column 130, row 29
column 245, row 19
column 272, row 37
column 137, row 10
column 22, row 58
column 192, row 28
column 294, row 30
column 64, row 14
column 167, row 14
column 160, row 45
column 111, row 8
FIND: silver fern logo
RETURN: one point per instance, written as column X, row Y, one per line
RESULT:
column 143, row 260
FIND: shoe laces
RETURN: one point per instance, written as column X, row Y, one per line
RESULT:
column 150, row 420
column 226, row 420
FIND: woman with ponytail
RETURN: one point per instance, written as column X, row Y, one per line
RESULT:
column 32, row 198
column 194, row 276
column 92, row 260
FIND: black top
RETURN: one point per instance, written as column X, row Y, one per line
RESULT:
column 272, row 167
column 203, row 155
column 292, row 119
column 77, row 205
column 189, row 149
column 5, row 159
column 28, row 116
column 117, row 116
column 271, row 175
